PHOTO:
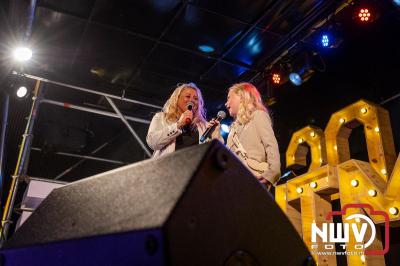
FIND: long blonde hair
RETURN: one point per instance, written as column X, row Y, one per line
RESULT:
column 250, row 101
column 171, row 109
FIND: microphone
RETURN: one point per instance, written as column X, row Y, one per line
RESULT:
column 189, row 106
column 221, row 115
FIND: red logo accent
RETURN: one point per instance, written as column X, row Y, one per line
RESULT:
column 371, row 212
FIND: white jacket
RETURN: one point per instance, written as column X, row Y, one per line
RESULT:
column 162, row 134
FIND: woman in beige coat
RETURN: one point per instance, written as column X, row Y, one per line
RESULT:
column 251, row 136
column 181, row 122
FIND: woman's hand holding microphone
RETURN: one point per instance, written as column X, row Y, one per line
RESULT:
column 214, row 122
column 185, row 119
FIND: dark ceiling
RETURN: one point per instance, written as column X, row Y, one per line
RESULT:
column 142, row 49
column 146, row 47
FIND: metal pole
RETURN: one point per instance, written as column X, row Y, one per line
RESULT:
column 129, row 126
column 241, row 36
column 81, row 161
column 121, row 98
column 92, row 110
column 4, row 124
column 83, row 156
column 286, row 51
column 390, row 99
column 22, row 163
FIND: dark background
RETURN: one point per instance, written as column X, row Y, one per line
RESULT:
column 143, row 49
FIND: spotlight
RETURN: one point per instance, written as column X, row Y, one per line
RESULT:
column 396, row 3
column 276, row 78
column 364, row 15
column 225, row 128
column 206, row 48
column 254, row 44
column 278, row 73
column 299, row 190
column 22, row 92
column 325, row 40
column 304, row 64
column 295, row 78
column 22, row 54
column 329, row 36
column 365, row 11
column 313, row 184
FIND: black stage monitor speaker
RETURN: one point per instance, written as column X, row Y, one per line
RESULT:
column 197, row 206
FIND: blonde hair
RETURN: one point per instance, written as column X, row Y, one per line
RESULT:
column 171, row 109
column 250, row 101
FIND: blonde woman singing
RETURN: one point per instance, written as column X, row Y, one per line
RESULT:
column 181, row 122
column 251, row 136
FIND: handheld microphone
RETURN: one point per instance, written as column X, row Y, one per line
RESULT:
column 221, row 115
column 189, row 106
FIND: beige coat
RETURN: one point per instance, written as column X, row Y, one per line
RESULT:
column 258, row 140
column 162, row 134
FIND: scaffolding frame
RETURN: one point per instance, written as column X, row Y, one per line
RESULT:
column 25, row 147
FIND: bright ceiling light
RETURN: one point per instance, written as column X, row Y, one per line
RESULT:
column 22, row 91
column 22, row 54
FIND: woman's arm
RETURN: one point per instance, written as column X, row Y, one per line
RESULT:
column 264, row 130
column 160, row 134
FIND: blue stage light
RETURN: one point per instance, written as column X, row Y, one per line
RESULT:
column 225, row 128
column 325, row 40
column 396, row 2
column 206, row 48
column 295, row 79
column 254, row 45
column 252, row 41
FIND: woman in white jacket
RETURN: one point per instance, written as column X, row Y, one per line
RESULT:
column 181, row 122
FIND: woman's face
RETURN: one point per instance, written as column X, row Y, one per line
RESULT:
column 187, row 95
column 232, row 103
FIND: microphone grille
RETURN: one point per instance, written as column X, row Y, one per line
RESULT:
column 221, row 114
column 190, row 106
